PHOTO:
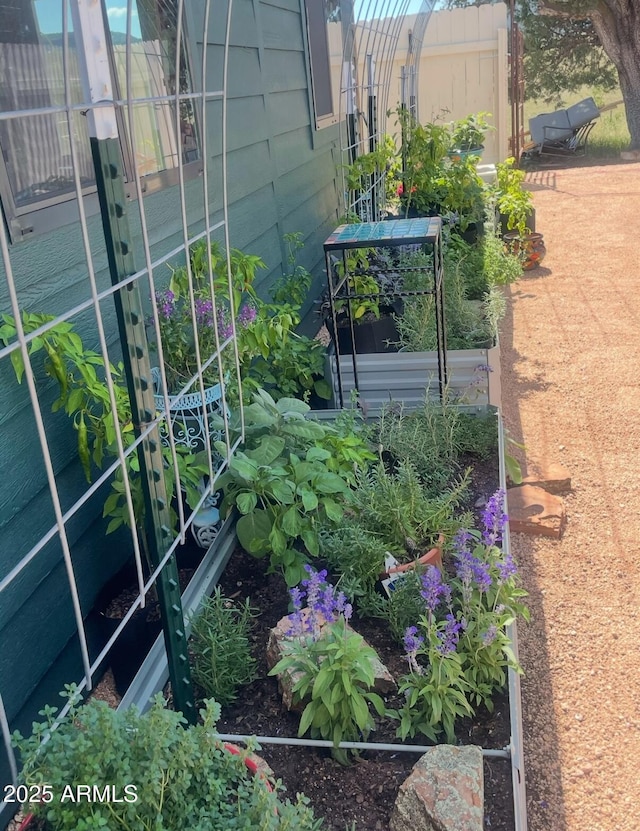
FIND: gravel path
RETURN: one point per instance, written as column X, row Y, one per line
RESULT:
column 571, row 392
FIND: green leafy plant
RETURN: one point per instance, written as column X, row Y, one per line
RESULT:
column 467, row 327
column 285, row 362
column 500, row 265
column 468, row 133
column 357, row 555
column 347, row 442
column 294, row 367
column 435, row 179
column 271, row 354
column 166, row 775
column 425, row 438
column 396, row 506
column 344, row 442
column 512, row 200
column 477, row 434
column 361, row 174
column 188, row 328
column 361, row 282
column 424, row 150
column 281, row 495
column 331, row 667
column 436, row 689
column 222, row 660
column 80, row 375
column 462, row 191
column 293, row 287
column 242, row 274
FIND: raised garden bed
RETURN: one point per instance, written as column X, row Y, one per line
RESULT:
column 359, row 796
column 404, row 377
column 363, row 792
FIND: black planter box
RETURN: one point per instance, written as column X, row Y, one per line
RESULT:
column 371, row 336
column 133, row 644
column 531, row 222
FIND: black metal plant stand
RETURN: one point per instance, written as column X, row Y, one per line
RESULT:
column 426, row 232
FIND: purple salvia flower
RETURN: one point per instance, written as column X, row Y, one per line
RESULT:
column 461, row 540
column 433, row 590
column 465, row 572
column 340, row 604
column 314, row 585
column 482, row 575
column 506, row 568
column 298, row 626
column 449, row 636
column 166, row 303
column 247, row 315
column 490, row 635
column 297, row 596
column 412, row 643
column 204, row 312
column 225, row 329
column 347, row 612
column 326, row 603
column 470, row 570
column 494, row 519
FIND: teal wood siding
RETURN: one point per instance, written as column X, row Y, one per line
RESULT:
column 283, row 177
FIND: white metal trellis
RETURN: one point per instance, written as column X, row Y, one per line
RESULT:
column 203, row 216
column 368, row 69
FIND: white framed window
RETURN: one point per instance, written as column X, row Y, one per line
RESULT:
column 324, row 35
column 36, row 177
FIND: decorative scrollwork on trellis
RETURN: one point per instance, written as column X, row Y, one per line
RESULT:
column 187, row 416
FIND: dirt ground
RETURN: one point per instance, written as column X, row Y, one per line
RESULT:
column 571, row 393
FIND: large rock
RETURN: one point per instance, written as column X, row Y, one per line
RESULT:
column 550, row 476
column 384, row 681
column 534, row 511
column 444, row 792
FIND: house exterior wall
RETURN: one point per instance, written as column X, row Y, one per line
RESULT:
column 282, row 178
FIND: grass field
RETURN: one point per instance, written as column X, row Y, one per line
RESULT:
column 610, row 134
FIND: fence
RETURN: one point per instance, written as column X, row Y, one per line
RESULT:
column 463, row 69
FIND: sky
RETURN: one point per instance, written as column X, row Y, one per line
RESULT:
column 49, row 14
column 365, row 9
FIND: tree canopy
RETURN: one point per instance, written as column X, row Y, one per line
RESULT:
column 561, row 54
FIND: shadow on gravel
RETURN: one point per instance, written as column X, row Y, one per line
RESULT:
column 545, row 800
column 549, row 163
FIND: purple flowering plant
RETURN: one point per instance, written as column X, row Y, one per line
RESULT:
column 459, row 651
column 202, row 309
column 488, row 599
column 435, row 688
column 330, row 666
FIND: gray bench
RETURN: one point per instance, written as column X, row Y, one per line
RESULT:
column 563, row 131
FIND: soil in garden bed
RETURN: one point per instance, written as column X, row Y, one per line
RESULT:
column 364, row 792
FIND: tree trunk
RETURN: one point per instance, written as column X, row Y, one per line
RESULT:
column 617, row 23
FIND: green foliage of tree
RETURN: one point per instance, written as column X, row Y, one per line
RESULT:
column 561, row 55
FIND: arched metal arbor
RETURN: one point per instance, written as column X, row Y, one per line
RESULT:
column 369, row 69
